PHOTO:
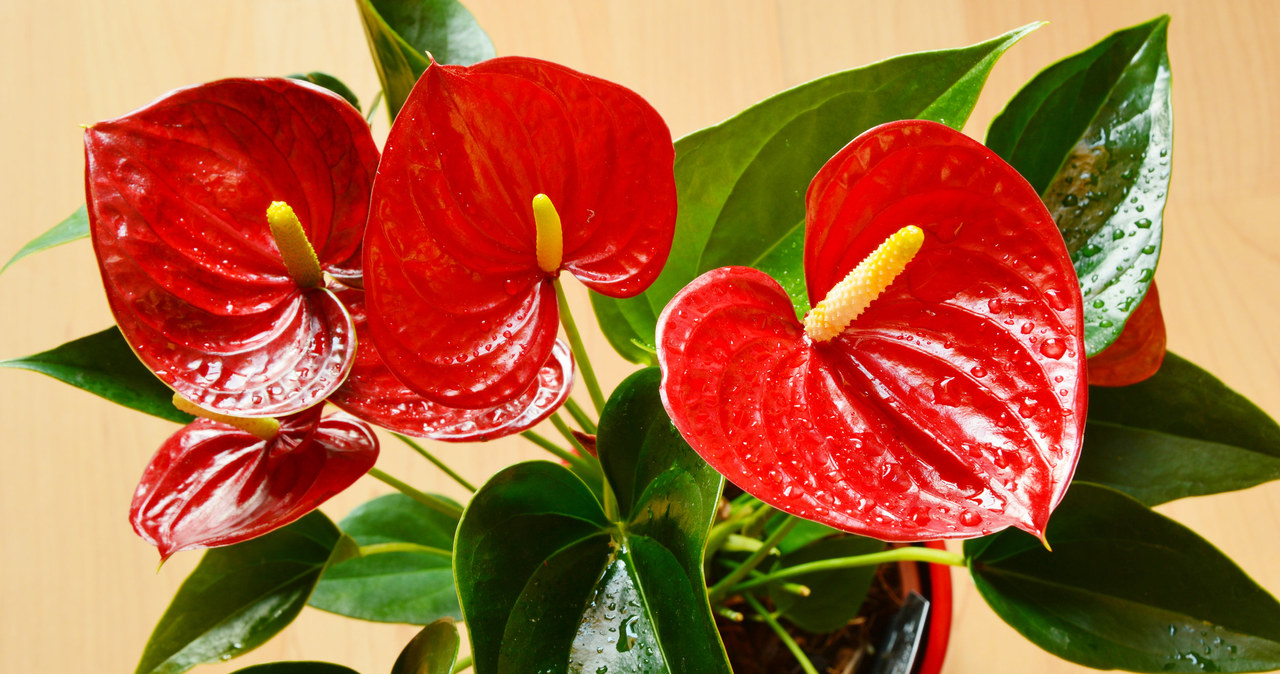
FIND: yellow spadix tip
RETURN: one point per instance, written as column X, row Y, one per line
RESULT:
column 295, row 250
column 264, row 428
column 851, row 296
column 550, row 234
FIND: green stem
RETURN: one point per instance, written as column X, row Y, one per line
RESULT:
column 905, row 554
column 432, row 502
column 792, row 588
column 787, row 641
column 461, row 664
column 439, row 464
column 580, row 416
column 735, row 576
column 383, row 548
column 579, row 351
column 567, row 433
column 721, row 532
column 373, row 107
column 561, row 453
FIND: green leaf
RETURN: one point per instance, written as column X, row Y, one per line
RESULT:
column 546, row 579
column 104, row 365
column 434, row 650
column 298, row 667
column 836, row 596
column 1093, row 134
column 405, row 587
column 1127, row 588
column 741, row 183
column 401, row 33
column 327, row 81
column 76, row 226
column 1180, row 433
column 240, row 596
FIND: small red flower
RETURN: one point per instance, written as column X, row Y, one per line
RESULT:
column 461, row 300
column 1139, row 350
column 952, row 406
column 372, row 393
column 178, row 193
column 211, row 484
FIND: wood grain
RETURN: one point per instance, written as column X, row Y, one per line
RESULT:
column 80, row 591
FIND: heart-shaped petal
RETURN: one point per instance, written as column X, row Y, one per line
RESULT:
column 177, row 194
column 211, row 484
column 1139, row 350
column 951, row 407
column 372, row 393
column 460, row 308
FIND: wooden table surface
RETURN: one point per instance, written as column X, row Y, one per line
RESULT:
column 80, row 591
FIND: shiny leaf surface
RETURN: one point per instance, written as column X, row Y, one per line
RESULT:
column 1127, row 588
column 405, row 587
column 211, row 484
column 740, row 182
column 1137, row 352
column 239, row 597
column 1093, row 134
column 297, row 667
column 836, row 596
column 103, row 365
column 1180, row 433
column 76, row 226
column 458, row 305
column 178, row 193
column 434, row 650
column 546, row 580
column 401, row 34
column 950, row 408
column 371, row 392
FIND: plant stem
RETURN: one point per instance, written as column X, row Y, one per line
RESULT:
column 560, row 452
column 437, row 504
column 579, row 351
column 580, row 416
column 463, row 663
column 373, row 107
column 735, row 576
column 439, row 464
column 383, row 548
column 567, row 433
column 721, row 532
column 905, row 554
column 787, row 641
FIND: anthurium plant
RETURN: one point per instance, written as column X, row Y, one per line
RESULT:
column 854, row 329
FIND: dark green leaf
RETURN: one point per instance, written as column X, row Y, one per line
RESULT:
column 1127, row 588
column 1180, row 433
column 741, row 184
column 546, row 579
column 104, row 365
column 331, row 83
column 299, row 667
column 836, row 596
column 1092, row 134
column 434, row 650
column 240, row 596
column 405, row 587
column 76, row 226
column 402, row 32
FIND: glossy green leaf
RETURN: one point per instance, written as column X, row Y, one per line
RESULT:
column 741, row 183
column 405, row 586
column 402, row 32
column 1093, row 134
column 1127, row 588
column 546, row 579
column 240, row 596
column 297, row 667
column 76, row 226
column 104, row 365
column 836, row 596
column 1180, row 433
column 434, row 650
column 331, row 83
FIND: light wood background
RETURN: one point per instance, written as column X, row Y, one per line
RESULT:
column 79, row 592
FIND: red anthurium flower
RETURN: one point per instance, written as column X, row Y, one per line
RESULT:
column 233, row 317
column 951, row 406
column 213, row 484
column 372, row 393
column 459, row 267
column 1139, row 350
